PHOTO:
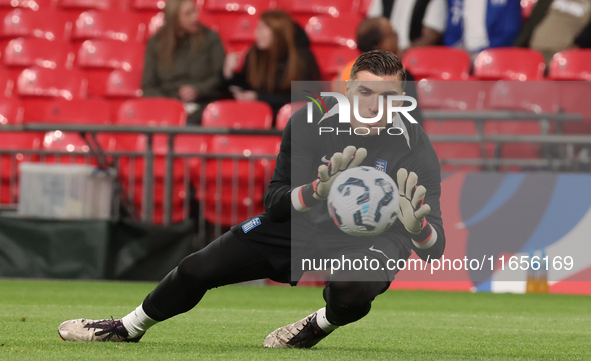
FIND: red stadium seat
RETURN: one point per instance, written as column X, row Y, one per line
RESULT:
column 123, row 84
column 93, row 4
column 302, row 19
column 437, row 63
column 152, row 112
column 334, row 8
column 39, row 86
column 512, row 127
column 77, row 111
column 51, row 83
column 181, row 169
column 238, row 6
column 451, row 95
column 286, row 112
column 327, row 30
column 147, row 9
column 457, row 151
column 9, row 169
column 182, row 144
column 364, row 7
column 11, row 111
column 332, row 59
column 46, row 24
column 27, row 4
column 156, row 5
column 98, row 58
column 572, row 64
column 108, row 54
column 238, row 114
column 6, row 83
column 109, row 24
column 23, row 53
column 450, row 127
column 239, row 32
column 535, row 97
column 71, row 142
column 242, row 180
column 531, row 96
column 509, row 64
column 574, row 98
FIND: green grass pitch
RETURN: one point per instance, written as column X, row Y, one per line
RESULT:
column 231, row 323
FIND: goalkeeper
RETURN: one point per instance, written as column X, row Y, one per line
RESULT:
column 261, row 247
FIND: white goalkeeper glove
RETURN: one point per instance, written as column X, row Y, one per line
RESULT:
column 351, row 157
column 412, row 210
column 306, row 196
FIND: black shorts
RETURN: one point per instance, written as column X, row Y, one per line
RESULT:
column 274, row 242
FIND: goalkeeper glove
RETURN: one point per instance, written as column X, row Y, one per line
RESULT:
column 306, row 196
column 413, row 210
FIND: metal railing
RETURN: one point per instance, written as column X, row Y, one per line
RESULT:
column 211, row 160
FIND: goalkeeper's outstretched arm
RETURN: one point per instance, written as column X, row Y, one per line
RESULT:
column 282, row 199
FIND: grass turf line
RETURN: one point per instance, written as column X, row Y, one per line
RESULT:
column 231, row 323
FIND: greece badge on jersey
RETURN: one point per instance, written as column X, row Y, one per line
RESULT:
column 380, row 164
column 248, row 226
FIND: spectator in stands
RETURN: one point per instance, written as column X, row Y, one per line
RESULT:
column 583, row 40
column 184, row 60
column 557, row 25
column 372, row 34
column 417, row 22
column 279, row 56
column 476, row 25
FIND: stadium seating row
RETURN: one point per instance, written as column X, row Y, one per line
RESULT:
column 332, row 7
column 153, row 112
column 129, row 26
column 443, row 63
column 160, row 112
column 39, row 89
column 333, row 41
column 234, row 185
column 111, row 69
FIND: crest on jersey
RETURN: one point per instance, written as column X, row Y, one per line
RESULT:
column 380, row 164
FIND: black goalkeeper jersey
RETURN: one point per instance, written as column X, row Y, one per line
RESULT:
column 303, row 150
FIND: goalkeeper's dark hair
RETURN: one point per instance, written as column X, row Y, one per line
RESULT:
column 379, row 62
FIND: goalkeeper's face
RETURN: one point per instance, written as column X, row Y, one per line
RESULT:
column 367, row 88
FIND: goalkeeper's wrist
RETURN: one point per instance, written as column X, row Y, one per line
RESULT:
column 426, row 238
column 304, row 197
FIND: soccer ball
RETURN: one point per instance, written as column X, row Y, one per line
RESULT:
column 363, row 201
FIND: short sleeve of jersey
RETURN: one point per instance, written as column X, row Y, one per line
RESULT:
column 436, row 15
column 375, row 9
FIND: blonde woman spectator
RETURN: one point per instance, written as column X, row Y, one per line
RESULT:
column 184, row 60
